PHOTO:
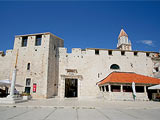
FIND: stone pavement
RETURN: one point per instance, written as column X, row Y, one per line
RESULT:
column 74, row 109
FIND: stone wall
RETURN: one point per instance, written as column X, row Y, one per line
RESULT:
column 43, row 59
column 5, row 64
column 124, row 96
column 53, row 65
column 50, row 61
column 95, row 67
column 37, row 56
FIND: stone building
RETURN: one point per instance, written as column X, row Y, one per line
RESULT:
column 37, row 63
column 45, row 69
column 118, row 86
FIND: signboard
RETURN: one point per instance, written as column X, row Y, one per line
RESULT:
column 34, row 87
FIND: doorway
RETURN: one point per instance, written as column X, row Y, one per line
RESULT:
column 71, row 87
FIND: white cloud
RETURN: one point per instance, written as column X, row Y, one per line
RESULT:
column 147, row 42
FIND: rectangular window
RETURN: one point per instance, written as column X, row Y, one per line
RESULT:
column 98, row 75
column 24, row 41
column 107, row 88
column 103, row 88
column 140, row 89
column 38, row 40
column 110, row 52
column 28, row 66
column 127, row 88
column 147, row 54
column 122, row 52
column 135, row 53
column 96, row 52
column 115, row 88
column 28, row 81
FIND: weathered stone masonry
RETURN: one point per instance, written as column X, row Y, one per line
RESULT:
column 44, row 61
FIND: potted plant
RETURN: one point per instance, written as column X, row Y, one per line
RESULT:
column 26, row 96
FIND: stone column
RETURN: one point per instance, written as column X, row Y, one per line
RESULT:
column 145, row 89
column 105, row 89
column 13, row 83
column 109, row 88
column 79, row 85
column 121, row 88
column 63, row 88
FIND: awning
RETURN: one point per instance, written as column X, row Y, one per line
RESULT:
column 155, row 87
column 7, row 83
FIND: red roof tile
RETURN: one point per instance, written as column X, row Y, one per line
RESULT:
column 122, row 33
column 122, row 77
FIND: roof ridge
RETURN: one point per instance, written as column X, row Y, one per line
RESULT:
column 122, row 72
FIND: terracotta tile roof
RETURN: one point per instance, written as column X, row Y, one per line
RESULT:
column 122, row 33
column 123, row 77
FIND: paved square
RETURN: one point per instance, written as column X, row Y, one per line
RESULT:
column 74, row 109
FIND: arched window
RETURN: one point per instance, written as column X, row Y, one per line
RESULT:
column 28, row 66
column 114, row 66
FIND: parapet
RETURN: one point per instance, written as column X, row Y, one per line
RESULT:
column 45, row 33
column 75, row 51
column 107, row 52
column 8, row 52
column 62, row 50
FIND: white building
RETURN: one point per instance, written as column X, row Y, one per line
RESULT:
column 45, row 69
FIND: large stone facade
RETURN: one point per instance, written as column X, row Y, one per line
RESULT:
column 92, row 67
column 43, row 64
column 48, row 65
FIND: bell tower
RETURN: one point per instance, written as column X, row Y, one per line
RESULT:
column 123, row 42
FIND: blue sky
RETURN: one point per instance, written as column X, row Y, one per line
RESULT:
column 83, row 24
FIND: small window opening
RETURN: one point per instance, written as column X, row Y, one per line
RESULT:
column 122, row 52
column 96, row 52
column 127, row 89
column 115, row 88
column 38, row 40
column 103, row 88
column 156, row 68
column 24, row 41
column 114, row 66
column 28, row 82
column 140, row 89
column 98, row 75
column 110, row 52
column 28, row 66
column 135, row 53
column 54, row 47
column 147, row 54
column 107, row 88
